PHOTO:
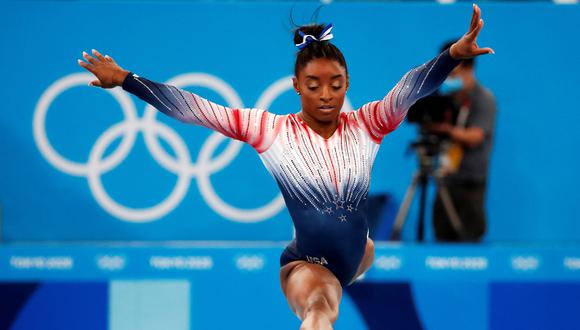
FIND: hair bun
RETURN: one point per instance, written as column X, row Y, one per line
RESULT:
column 313, row 42
column 312, row 29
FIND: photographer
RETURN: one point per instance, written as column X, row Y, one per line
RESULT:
column 466, row 160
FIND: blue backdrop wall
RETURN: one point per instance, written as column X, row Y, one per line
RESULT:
column 69, row 172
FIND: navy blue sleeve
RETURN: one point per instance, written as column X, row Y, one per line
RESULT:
column 384, row 116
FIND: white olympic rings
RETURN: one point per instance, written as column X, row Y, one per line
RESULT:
column 181, row 165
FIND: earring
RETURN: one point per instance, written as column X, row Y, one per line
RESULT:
column 297, row 92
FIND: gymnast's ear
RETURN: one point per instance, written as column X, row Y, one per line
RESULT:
column 295, row 84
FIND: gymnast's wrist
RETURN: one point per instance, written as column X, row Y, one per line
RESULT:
column 119, row 77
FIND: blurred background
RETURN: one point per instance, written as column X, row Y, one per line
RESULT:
column 108, row 223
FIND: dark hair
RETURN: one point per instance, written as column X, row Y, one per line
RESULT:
column 316, row 49
column 470, row 62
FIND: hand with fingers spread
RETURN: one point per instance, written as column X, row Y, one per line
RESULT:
column 109, row 74
column 467, row 47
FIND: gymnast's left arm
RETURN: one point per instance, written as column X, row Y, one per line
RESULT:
column 384, row 116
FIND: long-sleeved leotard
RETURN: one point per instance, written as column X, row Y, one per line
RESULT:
column 325, row 182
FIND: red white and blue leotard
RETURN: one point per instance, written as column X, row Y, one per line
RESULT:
column 325, row 182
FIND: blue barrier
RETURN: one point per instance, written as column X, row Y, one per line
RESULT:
column 225, row 285
column 393, row 262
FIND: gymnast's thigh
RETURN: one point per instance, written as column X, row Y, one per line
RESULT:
column 304, row 282
column 367, row 260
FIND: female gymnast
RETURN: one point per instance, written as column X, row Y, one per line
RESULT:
column 320, row 157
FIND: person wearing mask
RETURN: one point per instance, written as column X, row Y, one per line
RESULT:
column 465, row 163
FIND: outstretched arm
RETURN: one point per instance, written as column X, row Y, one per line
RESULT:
column 382, row 117
column 254, row 126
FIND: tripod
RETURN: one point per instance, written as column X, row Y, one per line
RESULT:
column 427, row 149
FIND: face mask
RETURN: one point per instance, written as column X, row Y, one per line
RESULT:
column 451, row 85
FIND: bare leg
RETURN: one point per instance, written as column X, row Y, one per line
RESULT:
column 313, row 294
column 367, row 260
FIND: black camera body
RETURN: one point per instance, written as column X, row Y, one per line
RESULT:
column 432, row 109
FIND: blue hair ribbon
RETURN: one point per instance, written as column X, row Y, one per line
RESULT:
column 307, row 39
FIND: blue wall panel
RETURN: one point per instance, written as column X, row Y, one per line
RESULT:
column 534, row 76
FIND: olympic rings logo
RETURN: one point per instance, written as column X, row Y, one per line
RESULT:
column 152, row 129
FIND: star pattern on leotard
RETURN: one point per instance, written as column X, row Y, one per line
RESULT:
column 349, row 208
column 339, row 204
column 342, row 218
column 328, row 210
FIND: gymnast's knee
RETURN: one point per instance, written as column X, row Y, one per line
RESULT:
column 318, row 303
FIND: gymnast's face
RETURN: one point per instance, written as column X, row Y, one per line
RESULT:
column 322, row 85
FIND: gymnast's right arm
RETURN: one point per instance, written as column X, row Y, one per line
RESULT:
column 254, row 126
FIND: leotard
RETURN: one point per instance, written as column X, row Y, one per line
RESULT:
column 325, row 182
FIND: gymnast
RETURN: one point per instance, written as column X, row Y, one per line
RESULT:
column 320, row 157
